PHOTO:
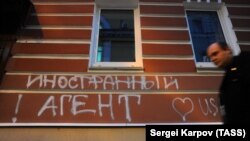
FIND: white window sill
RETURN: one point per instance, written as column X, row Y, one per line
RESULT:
column 208, row 67
column 117, row 69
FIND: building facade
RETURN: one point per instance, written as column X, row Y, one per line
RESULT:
column 116, row 63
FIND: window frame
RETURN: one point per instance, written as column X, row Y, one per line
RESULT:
column 93, row 62
column 226, row 26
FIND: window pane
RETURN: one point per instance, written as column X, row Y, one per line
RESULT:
column 116, row 36
column 205, row 29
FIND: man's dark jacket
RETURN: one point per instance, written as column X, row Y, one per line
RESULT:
column 235, row 90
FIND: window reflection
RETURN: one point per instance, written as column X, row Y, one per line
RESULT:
column 205, row 29
column 116, row 36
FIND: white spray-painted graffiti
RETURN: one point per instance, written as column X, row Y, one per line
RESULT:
column 104, row 104
column 14, row 119
column 209, row 105
column 76, row 104
column 185, row 100
column 107, row 82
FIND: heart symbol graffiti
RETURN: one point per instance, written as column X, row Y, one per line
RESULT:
column 185, row 102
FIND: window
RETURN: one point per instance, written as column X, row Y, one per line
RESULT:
column 116, row 36
column 116, row 40
column 208, row 24
column 205, row 28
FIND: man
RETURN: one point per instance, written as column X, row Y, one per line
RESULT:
column 235, row 87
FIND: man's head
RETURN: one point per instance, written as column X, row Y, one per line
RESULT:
column 220, row 54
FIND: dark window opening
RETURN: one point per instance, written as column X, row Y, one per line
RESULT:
column 116, row 36
column 205, row 28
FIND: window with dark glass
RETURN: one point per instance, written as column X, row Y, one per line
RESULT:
column 116, row 41
column 205, row 28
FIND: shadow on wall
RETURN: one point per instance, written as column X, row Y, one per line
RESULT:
column 28, row 32
column 13, row 14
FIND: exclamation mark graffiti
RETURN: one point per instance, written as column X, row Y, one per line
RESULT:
column 14, row 119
